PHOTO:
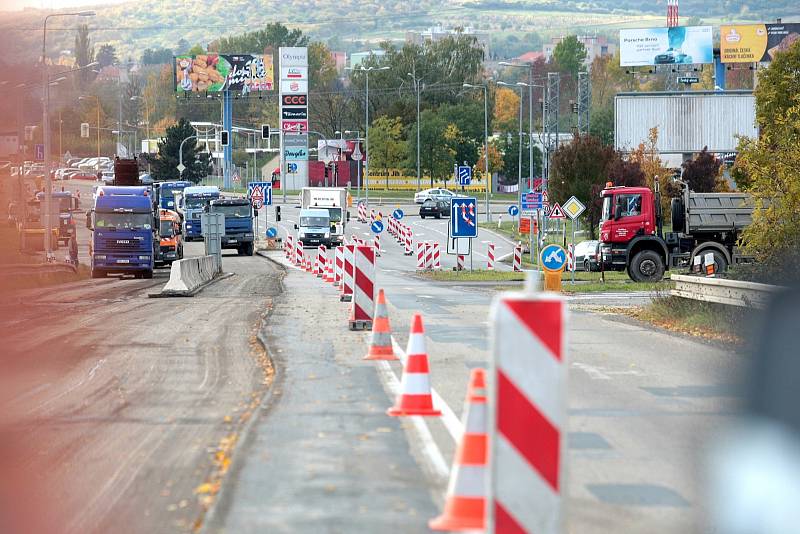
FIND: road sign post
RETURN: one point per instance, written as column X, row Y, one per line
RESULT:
column 552, row 259
column 463, row 217
column 573, row 208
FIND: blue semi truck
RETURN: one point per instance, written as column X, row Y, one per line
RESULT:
column 124, row 228
column 194, row 201
column 238, row 223
column 167, row 191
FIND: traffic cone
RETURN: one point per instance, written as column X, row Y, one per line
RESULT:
column 415, row 387
column 328, row 276
column 464, row 507
column 380, row 346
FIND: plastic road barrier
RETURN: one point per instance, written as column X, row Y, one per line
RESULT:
column 363, row 303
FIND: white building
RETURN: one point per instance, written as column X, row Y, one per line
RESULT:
column 437, row 33
column 596, row 46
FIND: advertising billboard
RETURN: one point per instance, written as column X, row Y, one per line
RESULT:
column 218, row 72
column 685, row 45
column 753, row 43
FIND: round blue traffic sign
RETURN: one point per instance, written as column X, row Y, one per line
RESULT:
column 513, row 211
column 377, row 227
column 398, row 214
column 272, row 232
column 553, row 258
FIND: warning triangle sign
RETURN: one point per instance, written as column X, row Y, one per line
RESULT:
column 556, row 212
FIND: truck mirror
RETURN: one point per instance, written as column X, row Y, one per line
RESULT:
column 348, row 216
column 295, row 227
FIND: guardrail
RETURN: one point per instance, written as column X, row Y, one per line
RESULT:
column 724, row 291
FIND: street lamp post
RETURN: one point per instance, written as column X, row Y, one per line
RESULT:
column 485, row 88
column 519, row 161
column 366, row 71
column 530, row 87
column 358, row 140
column 97, row 99
column 417, row 82
column 46, row 132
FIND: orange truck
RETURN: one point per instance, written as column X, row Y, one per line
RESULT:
column 171, row 248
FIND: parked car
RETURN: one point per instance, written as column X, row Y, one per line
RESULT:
column 587, row 255
column 435, row 194
column 146, row 179
column 434, row 208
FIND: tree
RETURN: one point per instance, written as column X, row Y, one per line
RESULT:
column 159, row 56
column 495, row 160
column 768, row 167
column 649, row 159
column 84, row 55
column 182, row 46
column 106, row 56
column 386, row 145
column 506, row 110
column 576, row 169
column 436, row 156
column 569, row 55
column 702, row 173
column 164, row 165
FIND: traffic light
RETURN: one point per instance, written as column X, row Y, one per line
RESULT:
column 223, row 138
column 85, row 130
column 265, row 131
column 278, row 213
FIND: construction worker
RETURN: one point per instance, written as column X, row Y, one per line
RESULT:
column 73, row 251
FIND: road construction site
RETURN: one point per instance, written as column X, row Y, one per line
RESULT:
column 250, row 407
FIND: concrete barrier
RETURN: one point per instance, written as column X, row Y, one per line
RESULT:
column 188, row 275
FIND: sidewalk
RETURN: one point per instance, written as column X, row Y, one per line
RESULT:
column 322, row 456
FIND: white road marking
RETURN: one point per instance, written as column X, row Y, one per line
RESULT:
column 591, row 370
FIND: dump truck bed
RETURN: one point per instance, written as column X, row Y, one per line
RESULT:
column 718, row 212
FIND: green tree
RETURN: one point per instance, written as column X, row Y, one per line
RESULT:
column 569, row 55
column 84, row 54
column 164, row 165
column 106, row 56
column 387, row 147
column 768, row 168
column 436, row 156
column 702, row 173
column 576, row 169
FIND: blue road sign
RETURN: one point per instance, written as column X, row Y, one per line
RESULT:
column 553, row 258
column 260, row 193
column 513, row 210
column 531, row 201
column 398, row 214
column 464, row 175
column 272, row 232
column 291, row 167
column 38, row 152
column 376, row 227
column 463, row 217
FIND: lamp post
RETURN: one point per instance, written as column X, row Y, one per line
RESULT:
column 358, row 140
column 366, row 71
column 46, row 131
column 97, row 99
column 519, row 162
column 530, row 110
column 485, row 88
column 146, row 117
column 417, row 82
column 530, row 87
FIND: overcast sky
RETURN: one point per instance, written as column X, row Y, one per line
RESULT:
column 8, row 5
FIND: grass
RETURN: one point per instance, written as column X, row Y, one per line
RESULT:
column 705, row 319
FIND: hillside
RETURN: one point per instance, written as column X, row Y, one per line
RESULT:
column 133, row 26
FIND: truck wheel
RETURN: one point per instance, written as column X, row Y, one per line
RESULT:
column 586, row 266
column 251, row 248
column 147, row 274
column 647, row 266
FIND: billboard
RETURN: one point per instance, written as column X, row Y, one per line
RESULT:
column 752, row 43
column 218, row 72
column 684, row 45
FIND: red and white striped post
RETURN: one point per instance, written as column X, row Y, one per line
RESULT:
column 409, row 241
column 528, row 422
column 362, row 213
column 298, row 253
column 420, row 256
column 346, row 294
column 376, row 242
column 570, row 257
column 363, row 303
column 517, row 258
column 322, row 253
column 288, row 247
column 437, row 258
column 371, row 216
column 460, row 258
column 428, row 255
column 338, row 265
column 490, row 255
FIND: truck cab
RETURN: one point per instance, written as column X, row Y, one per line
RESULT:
column 67, row 204
column 314, row 227
column 194, row 201
column 167, row 192
column 124, row 232
column 239, row 232
column 170, row 233
column 334, row 201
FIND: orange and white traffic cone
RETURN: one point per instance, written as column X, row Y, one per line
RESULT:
column 380, row 346
column 464, row 508
column 415, row 386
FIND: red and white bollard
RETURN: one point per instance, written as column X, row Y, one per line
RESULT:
column 288, row 247
column 436, row 257
column 322, row 253
column 490, row 255
column 362, row 212
column 460, row 262
column 420, row 256
column 371, row 216
column 527, row 455
column 347, row 274
column 570, row 257
column 363, row 303
column 428, row 255
column 338, row 265
column 376, row 242
column 298, row 253
column 409, row 242
column 518, row 258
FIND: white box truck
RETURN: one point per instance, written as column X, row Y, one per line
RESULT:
column 334, row 201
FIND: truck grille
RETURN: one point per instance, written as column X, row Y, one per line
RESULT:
column 121, row 244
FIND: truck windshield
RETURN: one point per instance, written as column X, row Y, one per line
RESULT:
column 166, row 229
column 123, row 221
column 314, row 221
column 232, row 211
column 197, row 202
column 335, row 214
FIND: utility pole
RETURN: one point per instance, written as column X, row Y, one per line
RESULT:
column 584, row 101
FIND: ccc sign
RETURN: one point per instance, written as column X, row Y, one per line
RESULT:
column 295, row 100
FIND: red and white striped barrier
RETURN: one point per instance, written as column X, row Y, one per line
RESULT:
column 298, row 253
column 376, row 242
column 490, row 255
column 322, row 254
column 327, row 275
column 420, row 255
column 528, row 420
column 288, row 247
column 570, row 257
column 460, row 262
column 517, row 258
column 409, row 240
column 338, row 265
column 437, row 258
column 428, row 255
column 371, row 216
column 346, row 293
column 363, row 303
column 362, row 212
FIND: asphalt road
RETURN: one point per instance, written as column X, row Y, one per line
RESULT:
column 115, row 404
